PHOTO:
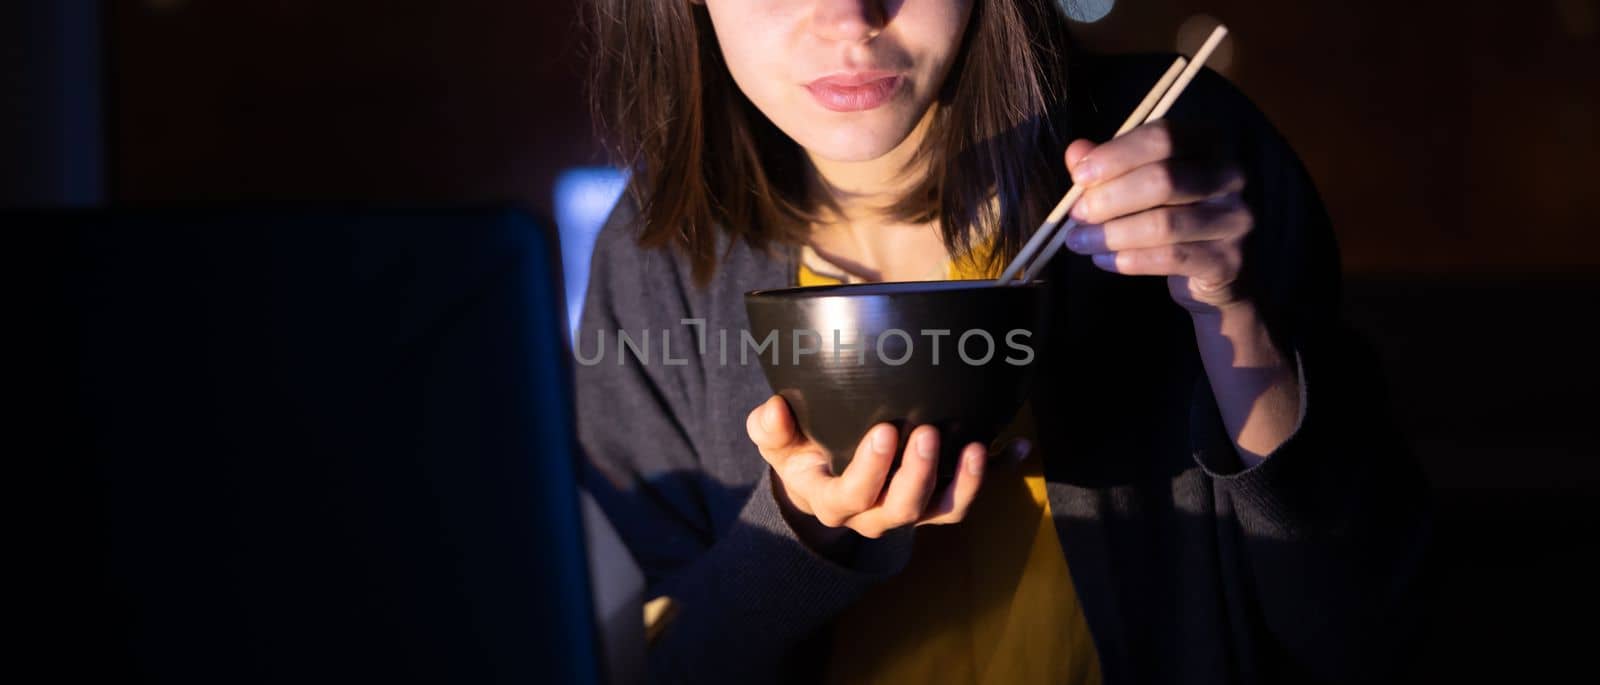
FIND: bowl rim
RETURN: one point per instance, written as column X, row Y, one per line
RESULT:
column 886, row 288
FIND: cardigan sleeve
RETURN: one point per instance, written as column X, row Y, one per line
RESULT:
column 746, row 593
column 1336, row 521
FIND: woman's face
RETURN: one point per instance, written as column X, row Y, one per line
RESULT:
column 846, row 79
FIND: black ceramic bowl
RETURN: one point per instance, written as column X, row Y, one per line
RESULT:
column 954, row 354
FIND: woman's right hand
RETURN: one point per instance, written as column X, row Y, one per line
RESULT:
column 822, row 505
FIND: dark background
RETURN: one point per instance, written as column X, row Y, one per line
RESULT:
column 1454, row 142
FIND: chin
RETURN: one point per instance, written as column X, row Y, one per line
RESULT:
column 853, row 143
column 850, row 152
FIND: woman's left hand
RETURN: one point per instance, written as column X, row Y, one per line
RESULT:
column 1156, row 203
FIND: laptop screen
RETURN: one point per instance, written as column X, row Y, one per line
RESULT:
column 322, row 446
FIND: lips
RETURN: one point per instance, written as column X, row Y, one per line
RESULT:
column 855, row 91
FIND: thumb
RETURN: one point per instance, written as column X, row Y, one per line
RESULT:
column 770, row 425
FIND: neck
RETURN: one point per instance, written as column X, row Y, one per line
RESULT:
column 856, row 232
column 858, row 194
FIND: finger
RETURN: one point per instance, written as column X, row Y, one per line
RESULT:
column 1167, row 182
column 1160, row 226
column 957, row 499
column 911, row 487
column 802, row 473
column 1075, row 154
column 1208, row 261
column 771, row 425
column 859, row 487
column 1144, row 145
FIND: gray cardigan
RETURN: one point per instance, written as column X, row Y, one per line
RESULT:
column 1190, row 569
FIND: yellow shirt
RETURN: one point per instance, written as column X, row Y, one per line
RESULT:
column 985, row 601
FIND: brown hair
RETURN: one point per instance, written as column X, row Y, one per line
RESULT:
column 702, row 156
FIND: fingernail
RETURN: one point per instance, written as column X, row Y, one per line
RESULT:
column 925, row 446
column 1106, row 260
column 1080, row 210
column 1086, row 172
column 769, row 416
column 1077, row 241
column 975, row 460
column 882, row 441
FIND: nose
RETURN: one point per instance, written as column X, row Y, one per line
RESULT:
column 854, row 21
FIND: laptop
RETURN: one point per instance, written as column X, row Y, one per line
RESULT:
column 316, row 446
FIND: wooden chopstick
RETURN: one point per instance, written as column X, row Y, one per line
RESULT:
column 1042, row 235
column 1155, row 105
column 1160, row 110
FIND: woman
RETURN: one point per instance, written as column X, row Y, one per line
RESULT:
column 1210, row 496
